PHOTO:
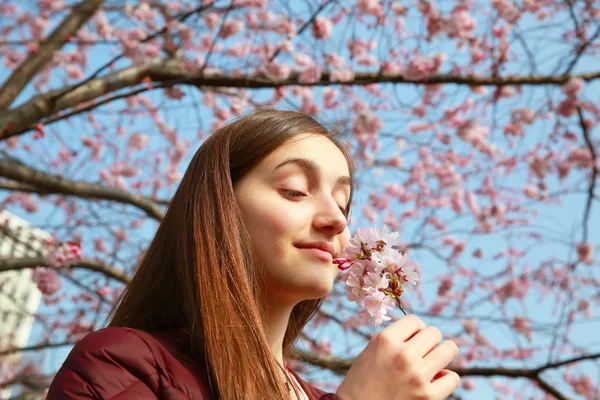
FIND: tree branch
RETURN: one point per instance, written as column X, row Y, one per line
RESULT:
column 41, row 346
column 37, row 383
column 11, row 264
column 165, row 30
column 48, row 183
column 171, row 72
column 35, row 62
column 588, row 141
column 545, row 386
column 306, row 24
column 341, row 366
column 581, row 47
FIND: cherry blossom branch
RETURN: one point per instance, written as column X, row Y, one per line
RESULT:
column 36, row 347
column 304, row 26
column 592, row 186
column 20, row 187
column 37, row 60
column 341, row 366
column 581, row 47
column 39, row 384
column 180, row 18
column 48, row 183
column 170, row 72
column 12, row 264
column 214, row 40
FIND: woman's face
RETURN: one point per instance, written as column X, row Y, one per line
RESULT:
column 293, row 202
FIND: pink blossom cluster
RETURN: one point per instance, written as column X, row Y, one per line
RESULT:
column 47, row 280
column 63, row 254
column 571, row 89
column 585, row 252
column 582, row 385
column 474, row 133
column 460, row 24
column 507, row 10
column 322, row 28
column 420, row 67
column 375, row 273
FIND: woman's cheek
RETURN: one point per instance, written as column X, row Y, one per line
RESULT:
column 345, row 238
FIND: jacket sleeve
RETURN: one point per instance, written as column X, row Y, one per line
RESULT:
column 321, row 395
column 112, row 363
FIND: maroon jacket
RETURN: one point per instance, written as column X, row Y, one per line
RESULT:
column 128, row 364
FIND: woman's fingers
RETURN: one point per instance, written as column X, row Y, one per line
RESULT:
column 403, row 329
column 424, row 342
column 439, row 358
column 445, row 382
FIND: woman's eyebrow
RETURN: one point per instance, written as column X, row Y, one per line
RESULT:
column 313, row 167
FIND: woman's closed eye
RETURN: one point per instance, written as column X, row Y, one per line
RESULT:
column 293, row 193
column 298, row 194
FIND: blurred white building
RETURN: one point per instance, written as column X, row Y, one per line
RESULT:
column 19, row 295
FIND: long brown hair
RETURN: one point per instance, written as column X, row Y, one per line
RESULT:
column 200, row 268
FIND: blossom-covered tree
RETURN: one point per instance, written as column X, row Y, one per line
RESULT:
column 474, row 124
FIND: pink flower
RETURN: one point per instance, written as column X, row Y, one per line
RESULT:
column 472, row 132
column 174, row 93
column 369, row 123
column 445, row 286
column 375, row 281
column 64, row 254
column 516, row 288
column 507, row 10
column 322, row 28
column 573, row 87
column 144, row 13
column 581, row 158
column 522, row 326
column 567, row 107
column 103, row 28
column 212, row 20
column 468, row 384
column 74, row 71
column 471, row 200
column 371, row 7
column 353, row 280
column 231, row 28
column 582, row 385
column 47, row 280
column 531, row 191
column 334, row 60
column 461, row 24
column 377, row 305
column 585, row 251
column 99, row 245
column 239, row 50
column 138, row 141
column 358, row 47
column 120, row 235
column 277, row 71
column 420, row 67
column 329, row 98
column 368, row 60
column 344, row 75
column 173, row 176
column 311, row 74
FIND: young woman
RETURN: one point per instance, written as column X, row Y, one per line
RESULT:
column 238, row 266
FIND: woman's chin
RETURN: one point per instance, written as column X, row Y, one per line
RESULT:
column 319, row 289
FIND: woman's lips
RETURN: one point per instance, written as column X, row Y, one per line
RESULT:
column 318, row 253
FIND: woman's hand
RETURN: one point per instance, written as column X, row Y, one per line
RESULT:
column 403, row 362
